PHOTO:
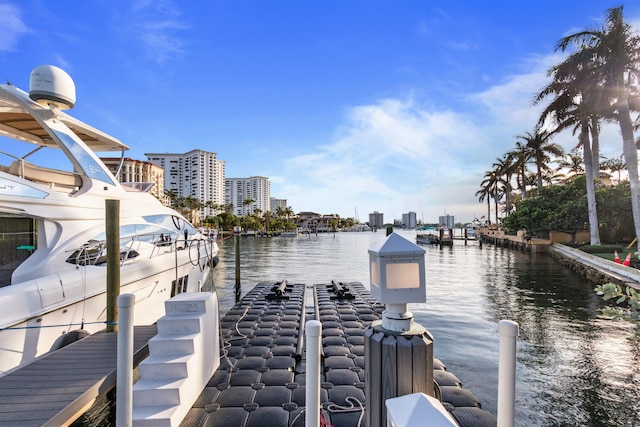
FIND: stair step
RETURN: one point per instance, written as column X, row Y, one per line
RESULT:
column 161, row 391
column 189, row 303
column 179, row 325
column 155, row 416
column 177, row 344
column 168, row 366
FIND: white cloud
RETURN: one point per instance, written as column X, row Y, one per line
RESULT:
column 156, row 24
column 63, row 63
column 399, row 155
column 11, row 27
column 392, row 155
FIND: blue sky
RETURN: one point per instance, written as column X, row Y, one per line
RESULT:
column 346, row 106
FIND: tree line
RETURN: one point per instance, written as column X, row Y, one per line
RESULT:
column 283, row 219
column 596, row 83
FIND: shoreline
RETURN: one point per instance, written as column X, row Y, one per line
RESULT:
column 596, row 269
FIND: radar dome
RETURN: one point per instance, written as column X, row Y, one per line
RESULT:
column 49, row 84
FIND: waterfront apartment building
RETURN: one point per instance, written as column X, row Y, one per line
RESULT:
column 447, row 220
column 237, row 191
column 409, row 220
column 376, row 219
column 313, row 222
column 277, row 203
column 197, row 173
column 145, row 176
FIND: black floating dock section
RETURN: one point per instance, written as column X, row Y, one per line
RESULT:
column 261, row 378
column 58, row 387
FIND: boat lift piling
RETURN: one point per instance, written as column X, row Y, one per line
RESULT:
column 508, row 330
column 313, row 332
column 236, row 232
column 124, row 361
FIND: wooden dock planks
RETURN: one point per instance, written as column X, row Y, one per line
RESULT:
column 56, row 388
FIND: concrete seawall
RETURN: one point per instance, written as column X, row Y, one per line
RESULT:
column 595, row 268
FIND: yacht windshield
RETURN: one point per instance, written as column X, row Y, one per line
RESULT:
column 172, row 222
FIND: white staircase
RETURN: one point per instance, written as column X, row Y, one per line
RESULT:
column 182, row 358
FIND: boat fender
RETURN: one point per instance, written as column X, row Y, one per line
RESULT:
column 214, row 261
column 73, row 336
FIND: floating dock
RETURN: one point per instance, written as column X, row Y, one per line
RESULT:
column 261, row 378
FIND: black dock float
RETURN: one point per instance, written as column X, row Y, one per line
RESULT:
column 58, row 387
column 261, row 378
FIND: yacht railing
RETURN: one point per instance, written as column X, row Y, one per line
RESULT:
column 95, row 252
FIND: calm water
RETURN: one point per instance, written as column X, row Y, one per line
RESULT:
column 574, row 369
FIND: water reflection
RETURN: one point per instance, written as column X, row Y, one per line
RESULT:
column 574, row 369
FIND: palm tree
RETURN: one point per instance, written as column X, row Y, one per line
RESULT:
column 257, row 213
column 248, row 202
column 576, row 104
column 171, row 195
column 289, row 213
column 504, row 169
column 267, row 220
column 488, row 190
column 581, row 116
column 520, row 157
column 573, row 163
column 540, row 147
column 615, row 165
column 192, row 207
column 613, row 51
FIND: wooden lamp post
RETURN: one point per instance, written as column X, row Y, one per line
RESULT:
column 398, row 351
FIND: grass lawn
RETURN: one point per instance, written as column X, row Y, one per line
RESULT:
column 622, row 255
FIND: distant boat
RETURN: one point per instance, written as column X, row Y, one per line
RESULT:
column 473, row 228
column 427, row 236
column 359, row 228
column 433, row 236
column 289, row 234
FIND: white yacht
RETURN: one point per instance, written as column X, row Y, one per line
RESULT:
column 53, row 268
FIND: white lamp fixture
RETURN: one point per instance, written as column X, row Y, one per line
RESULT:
column 397, row 275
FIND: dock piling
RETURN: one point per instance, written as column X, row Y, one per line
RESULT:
column 313, row 332
column 397, row 364
column 507, row 373
column 124, row 361
column 236, row 232
column 112, row 225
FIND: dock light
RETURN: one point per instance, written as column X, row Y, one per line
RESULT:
column 397, row 275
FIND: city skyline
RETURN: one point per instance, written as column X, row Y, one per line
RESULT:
column 135, row 171
column 346, row 106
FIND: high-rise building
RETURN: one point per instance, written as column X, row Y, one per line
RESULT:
column 277, row 203
column 247, row 195
column 376, row 219
column 447, row 220
column 409, row 220
column 197, row 173
column 145, row 176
